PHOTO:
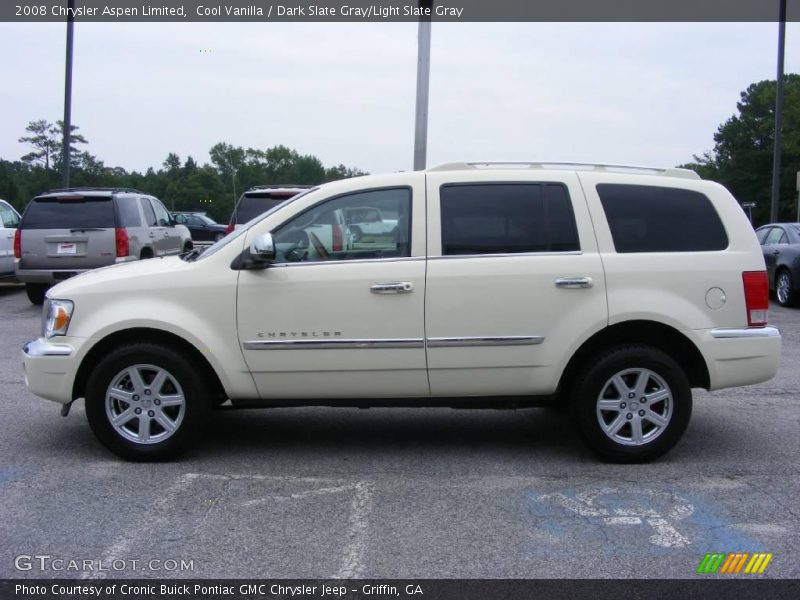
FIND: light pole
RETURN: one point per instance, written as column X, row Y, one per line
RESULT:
column 776, row 152
column 67, row 142
column 423, row 83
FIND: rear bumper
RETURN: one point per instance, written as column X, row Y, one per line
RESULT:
column 51, row 275
column 50, row 368
column 738, row 357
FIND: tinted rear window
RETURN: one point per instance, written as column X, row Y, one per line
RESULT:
column 504, row 218
column 645, row 218
column 69, row 213
column 255, row 203
column 128, row 210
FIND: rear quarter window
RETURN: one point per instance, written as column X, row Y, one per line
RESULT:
column 69, row 213
column 645, row 218
column 128, row 210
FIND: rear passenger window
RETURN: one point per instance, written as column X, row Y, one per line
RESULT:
column 149, row 214
column 776, row 236
column 507, row 218
column 645, row 218
column 128, row 211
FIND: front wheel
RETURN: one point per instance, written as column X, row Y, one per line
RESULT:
column 632, row 404
column 784, row 289
column 36, row 292
column 144, row 402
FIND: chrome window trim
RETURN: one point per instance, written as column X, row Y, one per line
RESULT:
column 41, row 348
column 506, row 255
column 347, row 262
column 343, row 344
column 479, row 341
column 751, row 332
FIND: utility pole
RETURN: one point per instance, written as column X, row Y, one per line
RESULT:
column 67, row 143
column 423, row 84
column 776, row 153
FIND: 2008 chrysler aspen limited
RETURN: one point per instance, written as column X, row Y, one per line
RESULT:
column 614, row 290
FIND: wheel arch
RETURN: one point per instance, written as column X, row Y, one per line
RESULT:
column 144, row 334
column 652, row 333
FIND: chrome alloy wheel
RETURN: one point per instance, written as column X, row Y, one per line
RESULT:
column 634, row 407
column 783, row 288
column 145, row 404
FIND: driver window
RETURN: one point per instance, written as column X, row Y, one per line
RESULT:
column 162, row 215
column 364, row 225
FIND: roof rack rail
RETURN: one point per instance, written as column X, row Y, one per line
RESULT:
column 270, row 186
column 94, row 189
column 578, row 166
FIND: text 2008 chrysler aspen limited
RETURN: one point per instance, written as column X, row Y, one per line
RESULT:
column 612, row 290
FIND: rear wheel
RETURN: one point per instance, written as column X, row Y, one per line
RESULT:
column 145, row 402
column 784, row 288
column 188, row 246
column 632, row 404
column 36, row 292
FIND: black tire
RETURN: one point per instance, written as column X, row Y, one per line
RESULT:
column 188, row 246
column 630, row 362
column 196, row 405
column 36, row 292
column 785, row 297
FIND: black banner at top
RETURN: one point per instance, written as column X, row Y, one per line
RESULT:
column 382, row 11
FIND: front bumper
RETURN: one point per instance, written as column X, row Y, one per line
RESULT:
column 50, row 369
column 740, row 356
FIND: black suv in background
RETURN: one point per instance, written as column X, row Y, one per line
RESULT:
column 259, row 199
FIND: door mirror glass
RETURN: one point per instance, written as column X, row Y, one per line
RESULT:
column 262, row 249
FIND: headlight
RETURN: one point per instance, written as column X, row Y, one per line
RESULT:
column 56, row 317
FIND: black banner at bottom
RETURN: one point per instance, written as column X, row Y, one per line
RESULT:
column 386, row 589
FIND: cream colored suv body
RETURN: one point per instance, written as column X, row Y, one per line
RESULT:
column 614, row 291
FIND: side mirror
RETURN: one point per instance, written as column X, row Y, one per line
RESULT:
column 258, row 256
column 262, row 249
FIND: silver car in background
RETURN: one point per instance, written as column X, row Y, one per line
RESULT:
column 9, row 221
column 65, row 232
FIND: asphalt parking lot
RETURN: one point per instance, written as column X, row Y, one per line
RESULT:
column 398, row 493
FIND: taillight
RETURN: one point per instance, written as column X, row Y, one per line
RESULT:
column 338, row 239
column 17, row 243
column 229, row 229
column 121, row 237
column 756, row 297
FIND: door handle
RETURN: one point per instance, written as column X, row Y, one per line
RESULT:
column 395, row 287
column 574, row 283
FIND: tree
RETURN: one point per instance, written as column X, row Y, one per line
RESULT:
column 47, row 141
column 742, row 155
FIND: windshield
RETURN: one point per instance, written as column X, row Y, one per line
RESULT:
column 214, row 248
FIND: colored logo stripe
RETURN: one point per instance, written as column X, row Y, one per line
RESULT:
column 733, row 562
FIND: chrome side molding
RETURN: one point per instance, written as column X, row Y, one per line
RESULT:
column 348, row 344
column 749, row 332
column 472, row 342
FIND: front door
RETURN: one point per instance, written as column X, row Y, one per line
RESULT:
column 337, row 318
column 514, row 283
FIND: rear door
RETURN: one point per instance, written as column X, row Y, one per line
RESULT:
column 166, row 237
column 514, row 282
column 67, row 232
column 9, row 221
column 774, row 243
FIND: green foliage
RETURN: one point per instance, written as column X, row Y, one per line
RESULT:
column 211, row 188
column 742, row 155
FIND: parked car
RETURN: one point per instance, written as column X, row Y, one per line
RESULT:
column 611, row 291
column 9, row 221
column 69, row 231
column 260, row 199
column 780, row 243
column 201, row 227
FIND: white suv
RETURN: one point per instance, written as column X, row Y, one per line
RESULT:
column 614, row 291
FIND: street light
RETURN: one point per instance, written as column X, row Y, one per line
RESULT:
column 776, row 151
column 67, row 142
column 423, row 84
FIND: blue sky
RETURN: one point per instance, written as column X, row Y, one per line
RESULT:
column 640, row 93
